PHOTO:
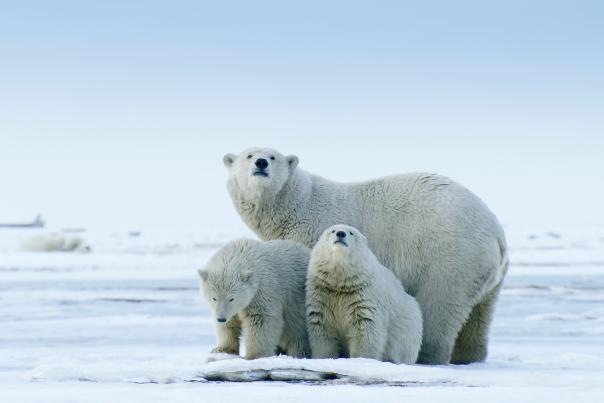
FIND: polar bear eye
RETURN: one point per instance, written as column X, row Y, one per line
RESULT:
column 214, row 299
column 333, row 232
column 272, row 157
column 249, row 156
column 232, row 299
column 351, row 233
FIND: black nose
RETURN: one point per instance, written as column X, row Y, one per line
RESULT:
column 221, row 320
column 261, row 163
column 341, row 234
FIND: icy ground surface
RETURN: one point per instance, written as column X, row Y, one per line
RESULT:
column 125, row 323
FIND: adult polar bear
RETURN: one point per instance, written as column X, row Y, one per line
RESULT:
column 440, row 239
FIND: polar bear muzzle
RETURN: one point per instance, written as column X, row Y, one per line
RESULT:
column 261, row 168
column 340, row 236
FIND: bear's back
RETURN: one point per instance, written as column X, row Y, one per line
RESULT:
column 285, row 265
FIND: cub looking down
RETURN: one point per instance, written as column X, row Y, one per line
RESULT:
column 259, row 287
column 355, row 306
column 437, row 237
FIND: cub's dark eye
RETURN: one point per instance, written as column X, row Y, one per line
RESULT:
column 351, row 233
column 232, row 299
column 249, row 156
column 272, row 157
column 333, row 232
column 213, row 299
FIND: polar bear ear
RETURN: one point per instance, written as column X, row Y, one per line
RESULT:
column 292, row 161
column 228, row 159
column 203, row 274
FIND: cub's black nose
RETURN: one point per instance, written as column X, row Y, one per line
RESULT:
column 261, row 163
column 221, row 320
column 341, row 234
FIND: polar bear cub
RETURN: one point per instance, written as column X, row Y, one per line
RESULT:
column 355, row 306
column 259, row 288
column 428, row 229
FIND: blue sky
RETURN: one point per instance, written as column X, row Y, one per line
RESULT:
column 117, row 113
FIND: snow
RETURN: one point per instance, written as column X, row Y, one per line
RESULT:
column 126, row 323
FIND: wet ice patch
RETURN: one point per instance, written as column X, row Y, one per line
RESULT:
column 350, row 371
column 220, row 357
column 564, row 317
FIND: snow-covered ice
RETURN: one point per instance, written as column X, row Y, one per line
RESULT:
column 126, row 323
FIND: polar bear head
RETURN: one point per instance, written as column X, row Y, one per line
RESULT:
column 259, row 171
column 342, row 245
column 75, row 244
column 227, row 283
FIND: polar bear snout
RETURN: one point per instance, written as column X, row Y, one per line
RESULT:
column 340, row 241
column 261, row 167
column 261, row 163
column 340, row 236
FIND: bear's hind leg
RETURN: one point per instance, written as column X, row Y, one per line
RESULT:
column 368, row 341
column 401, row 347
column 298, row 348
column 294, row 341
column 263, row 335
column 472, row 341
column 295, row 337
column 443, row 317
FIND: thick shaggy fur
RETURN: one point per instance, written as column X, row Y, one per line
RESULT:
column 437, row 237
column 355, row 306
column 259, row 287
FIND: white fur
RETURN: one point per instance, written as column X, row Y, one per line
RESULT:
column 437, row 237
column 259, row 287
column 54, row 243
column 355, row 306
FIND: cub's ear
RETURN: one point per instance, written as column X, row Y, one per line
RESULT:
column 292, row 160
column 228, row 159
column 247, row 276
column 203, row 274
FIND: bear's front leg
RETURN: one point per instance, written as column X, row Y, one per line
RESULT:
column 263, row 335
column 228, row 336
column 366, row 340
column 322, row 339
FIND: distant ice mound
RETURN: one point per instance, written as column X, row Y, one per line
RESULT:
column 54, row 243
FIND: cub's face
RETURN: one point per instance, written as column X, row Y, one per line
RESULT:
column 341, row 242
column 259, row 171
column 226, row 296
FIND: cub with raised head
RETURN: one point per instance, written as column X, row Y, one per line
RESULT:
column 437, row 237
column 258, row 287
column 355, row 306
